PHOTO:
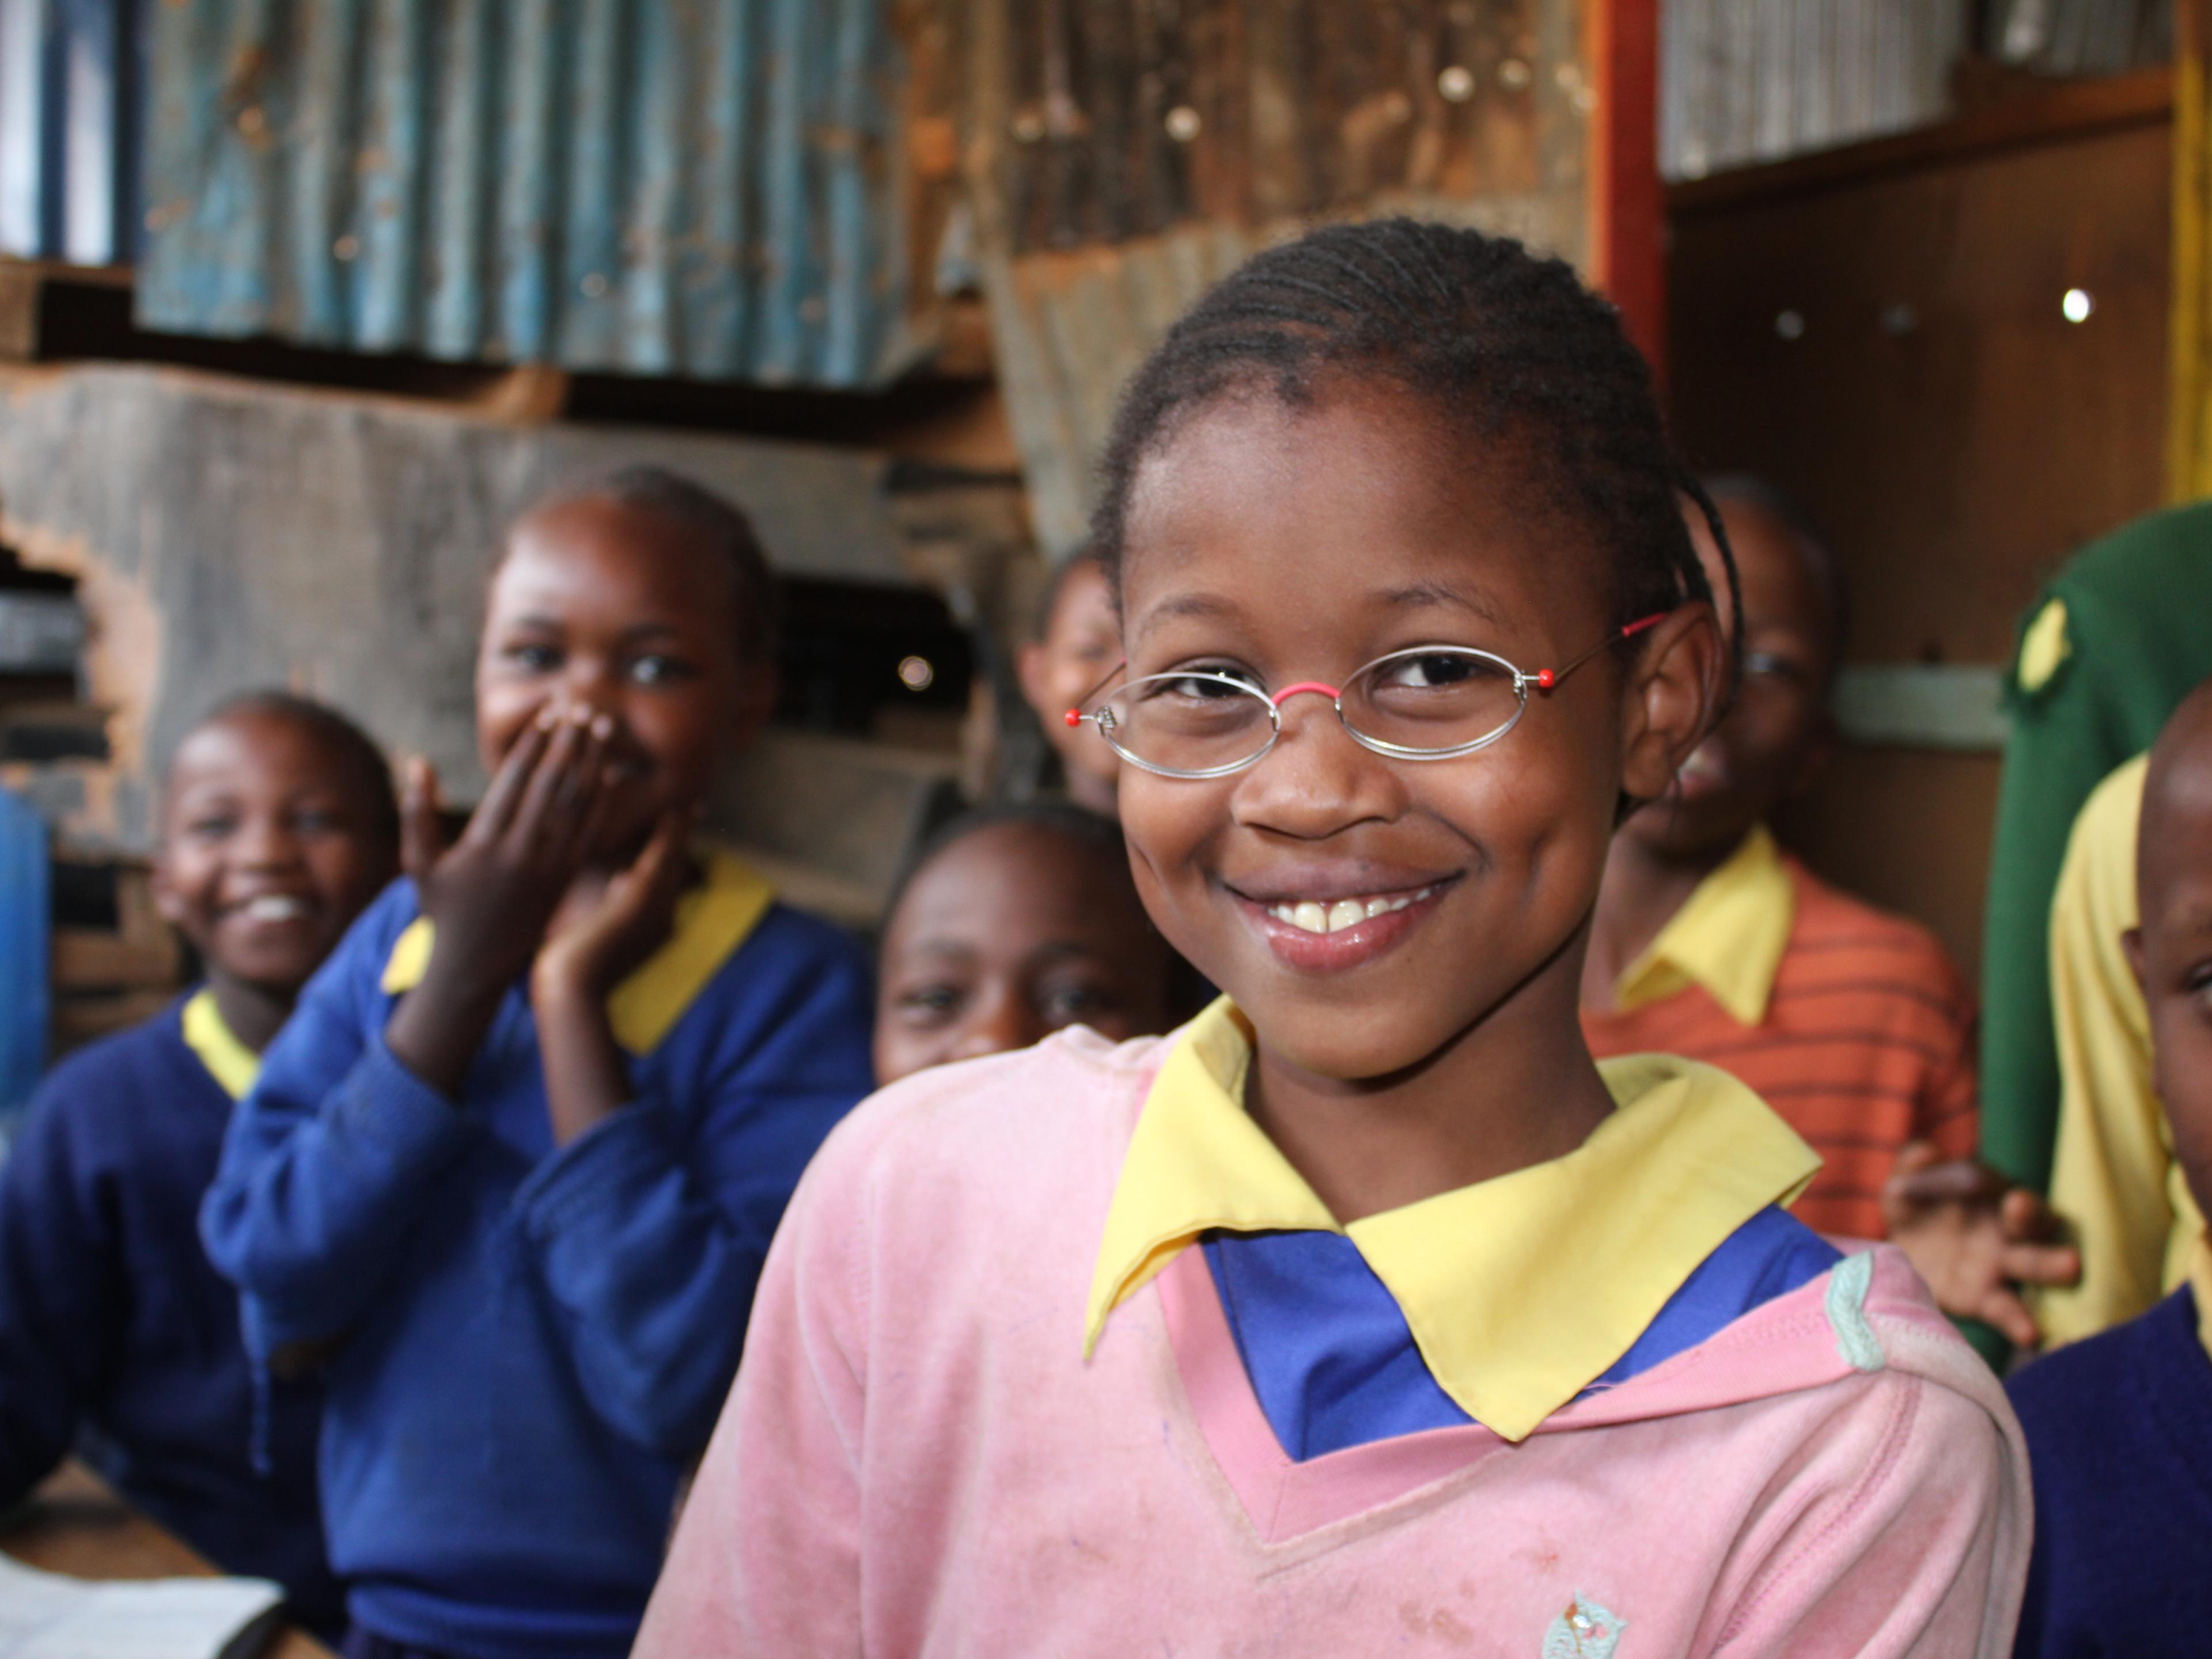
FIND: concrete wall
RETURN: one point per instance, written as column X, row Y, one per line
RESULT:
column 228, row 535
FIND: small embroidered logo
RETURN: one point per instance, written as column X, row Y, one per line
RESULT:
column 1585, row 1631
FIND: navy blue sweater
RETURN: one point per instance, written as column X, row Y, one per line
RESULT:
column 531, row 1344
column 117, row 1334
column 2119, row 1436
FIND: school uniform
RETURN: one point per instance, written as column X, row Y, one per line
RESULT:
column 2119, row 1432
column 1056, row 1352
column 117, row 1337
column 2117, row 641
column 2113, row 1173
column 1851, row 1023
column 529, row 1344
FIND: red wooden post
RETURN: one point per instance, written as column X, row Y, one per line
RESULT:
column 1628, row 206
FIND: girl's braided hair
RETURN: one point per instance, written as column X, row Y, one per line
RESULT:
column 1506, row 343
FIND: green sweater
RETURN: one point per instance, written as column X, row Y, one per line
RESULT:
column 2091, row 685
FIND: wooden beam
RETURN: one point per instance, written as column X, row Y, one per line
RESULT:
column 2068, row 110
column 1627, row 203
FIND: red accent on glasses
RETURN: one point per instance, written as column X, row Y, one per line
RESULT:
column 1289, row 691
column 1546, row 678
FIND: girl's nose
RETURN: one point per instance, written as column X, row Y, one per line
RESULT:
column 264, row 843
column 1317, row 779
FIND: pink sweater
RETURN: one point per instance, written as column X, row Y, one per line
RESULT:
column 917, row 1459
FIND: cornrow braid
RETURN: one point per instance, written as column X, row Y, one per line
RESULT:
column 1506, row 343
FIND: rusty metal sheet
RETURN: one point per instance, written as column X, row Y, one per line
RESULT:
column 1122, row 156
column 72, row 74
column 718, row 188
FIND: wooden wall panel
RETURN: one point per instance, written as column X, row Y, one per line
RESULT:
column 1880, row 332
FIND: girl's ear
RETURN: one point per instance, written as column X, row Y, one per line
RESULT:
column 1671, row 699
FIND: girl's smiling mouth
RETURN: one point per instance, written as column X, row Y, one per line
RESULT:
column 1330, row 931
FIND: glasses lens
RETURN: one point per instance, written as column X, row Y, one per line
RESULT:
column 1433, row 699
column 1188, row 722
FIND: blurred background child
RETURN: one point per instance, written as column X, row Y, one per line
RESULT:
column 1710, row 942
column 116, row 1333
column 1013, row 923
column 514, row 1164
column 1079, row 642
column 2119, row 1426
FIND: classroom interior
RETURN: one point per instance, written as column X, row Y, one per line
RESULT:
column 285, row 341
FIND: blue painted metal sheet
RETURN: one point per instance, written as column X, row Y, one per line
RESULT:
column 72, row 74
column 712, row 188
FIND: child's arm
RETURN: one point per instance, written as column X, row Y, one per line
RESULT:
column 649, row 1230
column 767, row 1555
column 61, row 1294
column 331, row 1162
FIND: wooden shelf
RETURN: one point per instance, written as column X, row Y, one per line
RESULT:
column 2067, row 109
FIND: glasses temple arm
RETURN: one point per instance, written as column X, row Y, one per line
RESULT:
column 1546, row 678
column 1074, row 716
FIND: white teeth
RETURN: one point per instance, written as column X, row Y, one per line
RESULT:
column 274, row 906
column 1315, row 918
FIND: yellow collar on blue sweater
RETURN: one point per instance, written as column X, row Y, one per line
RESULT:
column 1519, row 1290
column 1728, row 937
column 712, row 920
column 229, row 1061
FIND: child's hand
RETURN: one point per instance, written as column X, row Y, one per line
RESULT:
column 597, row 940
column 492, row 893
column 1976, row 1238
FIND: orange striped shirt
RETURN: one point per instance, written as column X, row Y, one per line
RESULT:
column 1866, row 1041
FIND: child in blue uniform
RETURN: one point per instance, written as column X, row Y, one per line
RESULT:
column 279, row 826
column 2119, row 1427
column 510, row 1173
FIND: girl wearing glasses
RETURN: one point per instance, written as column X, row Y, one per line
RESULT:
column 1368, row 1310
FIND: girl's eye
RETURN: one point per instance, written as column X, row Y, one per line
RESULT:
column 1767, row 665
column 1433, row 670
column 316, row 821
column 533, row 657
column 1205, row 684
column 659, row 669
column 929, row 1005
column 213, row 827
column 1071, row 1005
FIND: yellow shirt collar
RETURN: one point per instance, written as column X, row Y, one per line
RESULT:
column 1518, row 1290
column 230, row 1062
column 712, row 920
column 1728, row 938
column 2200, row 1287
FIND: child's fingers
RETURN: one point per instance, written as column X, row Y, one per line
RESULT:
column 2010, row 1315
column 2030, row 1220
column 580, row 798
column 422, row 838
column 541, row 795
column 2041, row 1264
column 496, row 811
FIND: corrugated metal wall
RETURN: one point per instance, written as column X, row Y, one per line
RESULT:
column 1123, row 154
column 1749, row 81
column 716, row 188
column 72, row 77
column 2081, row 37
